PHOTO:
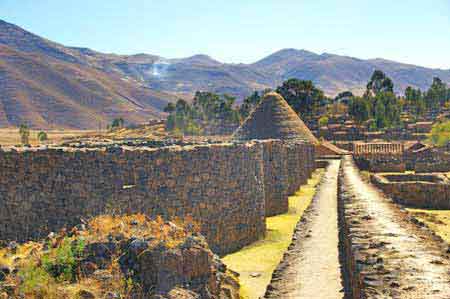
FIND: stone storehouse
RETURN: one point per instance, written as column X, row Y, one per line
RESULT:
column 273, row 118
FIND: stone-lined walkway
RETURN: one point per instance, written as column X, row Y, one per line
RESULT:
column 310, row 268
column 389, row 256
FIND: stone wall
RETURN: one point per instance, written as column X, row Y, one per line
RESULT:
column 377, row 237
column 380, row 163
column 223, row 187
column 276, row 177
column 391, row 158
column 432, row 160
column 300, row 165
column 287, row 166
column 417, row 191
column 379, row 157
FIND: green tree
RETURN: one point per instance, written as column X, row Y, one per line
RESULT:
column 24, row 132
column 358, row 108
column 382, row 104
column 170, row 108
column 380, row 115
column 379, row 82
column 387, row 110
column 117, row 123
column 207, row 109
column 249, row 104
column 415, row 100
column 344, row 94
column 437, row 94
column 302, row 96
column 206, row 104
column 42, row 136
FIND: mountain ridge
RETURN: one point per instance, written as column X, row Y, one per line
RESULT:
column 78, row 87
column 46, row 85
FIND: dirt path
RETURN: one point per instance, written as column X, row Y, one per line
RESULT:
column 394, row 257
column 310, row 268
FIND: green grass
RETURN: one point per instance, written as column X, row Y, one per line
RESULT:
column 256, row 262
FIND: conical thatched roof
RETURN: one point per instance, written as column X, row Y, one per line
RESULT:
column 273, row 118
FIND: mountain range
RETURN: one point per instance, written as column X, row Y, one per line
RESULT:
column 47, row 85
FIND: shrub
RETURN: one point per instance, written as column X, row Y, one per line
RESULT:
column 323, row 121
column 42, row 136
column 440, row 134
column 24, row 132
column 117, row 123
column 35, row 281
column 61, row 262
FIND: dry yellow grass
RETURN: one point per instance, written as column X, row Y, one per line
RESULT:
column 437, row 220
column 10, row 136
column 34, row 280
column 255, row 263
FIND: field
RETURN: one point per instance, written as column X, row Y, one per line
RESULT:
column 437, row 220
column 10, row 136
column 255, row 263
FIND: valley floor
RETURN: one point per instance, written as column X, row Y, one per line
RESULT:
column 255, row 263
column 11, row 136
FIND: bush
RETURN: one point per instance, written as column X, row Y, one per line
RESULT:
column 42, row 136
column 35, row 281
column 323, row 121
column 24, row 132
column 38, row 279
column 117, row 123
column 440, row 134
column 61, row 262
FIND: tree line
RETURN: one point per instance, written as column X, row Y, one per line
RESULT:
column 211, row 108
column 379, row 104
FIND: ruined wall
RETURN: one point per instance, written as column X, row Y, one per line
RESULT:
column 287, row 166
column 375, row 239
column 392, row 158
column 300, row 164
column 221, row 186
column 380, row 157
column 434, row 160
column 380, row 163
column 415, row 191
column 276, row 177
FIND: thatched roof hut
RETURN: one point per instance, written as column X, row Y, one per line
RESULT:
column 273, row 118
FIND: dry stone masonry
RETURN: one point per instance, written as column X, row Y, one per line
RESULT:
column 393, row 157
column 379, row 157
column 273, row 118
column 224, row 187
column 415, row 190
column 386, row 254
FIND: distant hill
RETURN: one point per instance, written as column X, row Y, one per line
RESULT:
column 332, row 73
column 335, row 73
column 46, row 84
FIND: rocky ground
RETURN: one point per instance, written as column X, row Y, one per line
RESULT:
column 388, row 253
column 117, row 257
column 310, row 268
column 352, row 242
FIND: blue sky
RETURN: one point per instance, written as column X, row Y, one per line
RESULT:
column 409, row 31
